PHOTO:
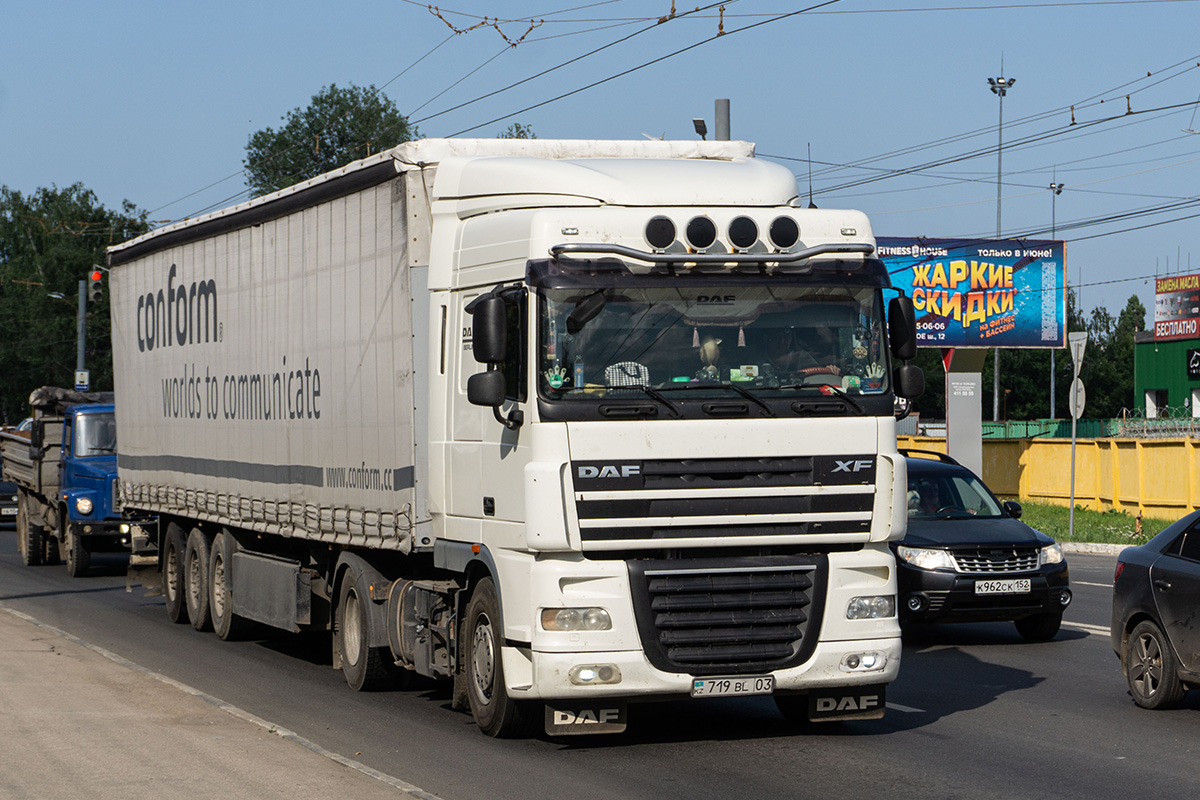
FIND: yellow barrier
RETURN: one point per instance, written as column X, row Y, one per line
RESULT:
column 1159, row 477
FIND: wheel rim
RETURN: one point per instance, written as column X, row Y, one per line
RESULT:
column 483, row 659
column 1145, row 673
column 195, row 581
column 218, row 582
column 351, row 628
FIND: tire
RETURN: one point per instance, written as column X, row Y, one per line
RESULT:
column 195, row 584
column 29, row 535
column 226, row 624
column 495, row 713
column 79, row 558
column 174, row 576
column 366, row 668
column 1151, row 668
column 1039, row 627
column 50, row 546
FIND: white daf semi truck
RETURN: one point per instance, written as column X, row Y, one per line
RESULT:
column 573, row 424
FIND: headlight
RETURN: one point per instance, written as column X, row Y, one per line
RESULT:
column 1050, row 554
column 923, row 558
column 576, row 619
column 83, row 505
column 878, row 607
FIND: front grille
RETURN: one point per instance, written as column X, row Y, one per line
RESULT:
column 995, row 561
column 727, row 616
column 641, row 504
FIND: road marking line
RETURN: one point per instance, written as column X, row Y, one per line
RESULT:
column 1085, row 583
column 270, row 727
column 1098, row 630
column 905, row 709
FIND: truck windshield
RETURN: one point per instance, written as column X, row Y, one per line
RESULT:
column 95, row 435
column 764, row 339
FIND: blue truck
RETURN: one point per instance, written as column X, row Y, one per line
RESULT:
column 65, row 470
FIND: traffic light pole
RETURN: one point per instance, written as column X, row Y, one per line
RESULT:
column 81, row 326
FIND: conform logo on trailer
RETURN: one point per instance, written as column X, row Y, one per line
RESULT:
column 178, row 315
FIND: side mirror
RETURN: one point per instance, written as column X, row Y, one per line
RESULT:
column 1013, row 508
column 486, row 388
column 902, row 328
column 489, row 330
column 908, row 380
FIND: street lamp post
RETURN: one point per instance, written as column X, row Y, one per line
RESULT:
column 1055, row 191
column 1000, row 87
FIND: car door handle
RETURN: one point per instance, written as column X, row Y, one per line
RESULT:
column 1161, row 584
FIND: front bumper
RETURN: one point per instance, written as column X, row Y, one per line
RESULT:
column 945, row 596
column 545, row 676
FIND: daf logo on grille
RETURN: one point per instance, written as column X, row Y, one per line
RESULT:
column 851, row 466
column 611, row 471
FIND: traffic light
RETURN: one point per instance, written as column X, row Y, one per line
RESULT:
column 95, row 285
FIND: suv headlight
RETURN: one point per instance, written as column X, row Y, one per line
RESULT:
column 1051, row 554
column 925, row 558
column 83, row 505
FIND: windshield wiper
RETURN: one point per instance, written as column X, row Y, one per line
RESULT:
column 652, row 393
column 833, row 388
column 723, row 385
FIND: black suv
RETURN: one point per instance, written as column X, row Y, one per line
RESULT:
column 967, row 557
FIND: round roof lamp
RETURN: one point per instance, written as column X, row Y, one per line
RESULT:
column 743, row 233
column 701, row 233
column 784, row 232
column 660, row 233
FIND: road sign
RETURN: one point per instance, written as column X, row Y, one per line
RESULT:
column 1077, row 341
column 82, row 380
column 1077, row 398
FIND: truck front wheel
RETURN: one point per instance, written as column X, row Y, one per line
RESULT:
column 79, row 558
column 494, row 711
column 195, row 567
column 174, row 582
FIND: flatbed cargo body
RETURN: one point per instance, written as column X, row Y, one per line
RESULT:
column 487, row 411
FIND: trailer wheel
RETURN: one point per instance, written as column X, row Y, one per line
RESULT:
column 174, row 576
column 366, row 668
column 494, row 711
column 29, row 536
column 226, row 624
column 79, row 558
column 195, row 584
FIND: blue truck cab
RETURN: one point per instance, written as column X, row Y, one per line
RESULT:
column 65, row 469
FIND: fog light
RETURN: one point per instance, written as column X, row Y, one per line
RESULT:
column 595, row 674
column 83, row 505
column 1064, row 598
column 576, row 619
column 877, row 607
column 863, row 662
column 915, row 602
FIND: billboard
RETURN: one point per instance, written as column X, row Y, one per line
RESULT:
column 982, row 292
column 1177, row 307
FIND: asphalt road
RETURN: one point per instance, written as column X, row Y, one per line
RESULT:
column 977, row 713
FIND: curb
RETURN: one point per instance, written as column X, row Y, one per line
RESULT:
column 1095, row 548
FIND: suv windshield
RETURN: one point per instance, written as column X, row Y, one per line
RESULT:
column 95, row 435
column 776, row 338
column 949, row 496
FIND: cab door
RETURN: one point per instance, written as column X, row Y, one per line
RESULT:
column 486, row 460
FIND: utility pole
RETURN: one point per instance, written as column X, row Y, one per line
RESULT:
column 1000, row 87
column 1055, row 191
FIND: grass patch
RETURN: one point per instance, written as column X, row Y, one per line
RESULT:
column 1107, row 527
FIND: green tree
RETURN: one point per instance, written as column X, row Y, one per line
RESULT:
column 338, row 126
column 518, row 131
column 49, row 241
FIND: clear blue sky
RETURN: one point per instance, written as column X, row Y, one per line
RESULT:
column 153, row 102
